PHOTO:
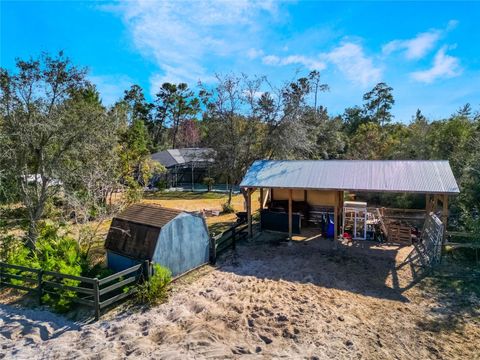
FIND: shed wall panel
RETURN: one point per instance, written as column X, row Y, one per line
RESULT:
column 283, row 194
column 183, row 244
column 318, row 197
column 117, row 262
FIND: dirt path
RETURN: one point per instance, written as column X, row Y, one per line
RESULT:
column 273, row 301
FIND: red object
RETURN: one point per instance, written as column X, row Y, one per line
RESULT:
column 346, row 236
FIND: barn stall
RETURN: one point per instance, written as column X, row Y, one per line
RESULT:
column 175, row 239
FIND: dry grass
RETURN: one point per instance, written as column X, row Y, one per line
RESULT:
column 194, row 201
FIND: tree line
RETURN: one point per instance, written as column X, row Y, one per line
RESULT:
column 55, row 130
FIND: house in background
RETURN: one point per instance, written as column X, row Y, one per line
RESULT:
column 185, row 167
column 172, row 238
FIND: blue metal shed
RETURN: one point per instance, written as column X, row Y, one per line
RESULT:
column 172, row 238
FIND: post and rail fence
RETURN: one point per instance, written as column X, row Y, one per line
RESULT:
column 227, row 239
column 95, row 293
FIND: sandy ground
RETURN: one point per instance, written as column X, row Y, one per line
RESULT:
column 271, row 300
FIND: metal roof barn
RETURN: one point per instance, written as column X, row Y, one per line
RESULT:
column 175, row 239
column 300, row 185
column 408, row 176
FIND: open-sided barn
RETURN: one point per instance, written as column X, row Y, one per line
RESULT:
column 172, row 238
column 300, row 190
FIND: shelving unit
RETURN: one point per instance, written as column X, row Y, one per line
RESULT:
column 355, row 218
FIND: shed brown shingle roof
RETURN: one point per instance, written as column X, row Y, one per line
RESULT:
column 147, row 214
column 135, row 231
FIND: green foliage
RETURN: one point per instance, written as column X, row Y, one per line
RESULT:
column 160, row 184
column 55, row 251
column 227, row 208
column 154, row 291
column 177, row 106
column 378, row 103
column 53, row 130
column 209, row 182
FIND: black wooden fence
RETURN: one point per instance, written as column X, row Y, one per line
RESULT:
column 227, row 239
column 92, row 292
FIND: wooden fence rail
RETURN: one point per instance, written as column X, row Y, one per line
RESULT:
column 227, row 239
column 90, row 292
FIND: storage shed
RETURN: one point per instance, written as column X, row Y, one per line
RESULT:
column 172, row 238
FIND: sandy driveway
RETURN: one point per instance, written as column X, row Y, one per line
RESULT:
column 271, row 301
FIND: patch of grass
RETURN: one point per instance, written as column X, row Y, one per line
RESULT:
column 219, row 227
column 13, row 217
column 183, row 195
column 459, row 287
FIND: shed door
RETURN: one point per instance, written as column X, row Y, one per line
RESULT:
column 183, row 244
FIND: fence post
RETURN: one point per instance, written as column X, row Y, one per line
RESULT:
column 234, row 232
column 147, row 271
column 39, row 286
column 213, row 246
column 96, row 298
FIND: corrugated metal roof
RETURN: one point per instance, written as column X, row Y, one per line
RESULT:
column 164, row 158
column 416, row 176
column 171, row 157
column 147, row 214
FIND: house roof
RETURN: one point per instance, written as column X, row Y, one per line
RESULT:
column 410, row 176
column 172, row 157
column 149, row 214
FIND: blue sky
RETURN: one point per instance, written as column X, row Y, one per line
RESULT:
column 428, row 52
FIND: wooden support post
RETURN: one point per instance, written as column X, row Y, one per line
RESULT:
column 147, row 270
column 249, row 211
column 261, row 199
column 335, row 217
column 435, row 203
column 290, row 221
column 96, row 298
column 265, row 199
column 427, row 203
column 39, row 286
column 340, row 212
column 213, row 254
column 234, row 233
column 445, row 216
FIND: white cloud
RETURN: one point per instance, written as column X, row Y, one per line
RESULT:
column 415, row 48
column 420, row 45
column 348, row 57
column 444, row 66
column 357, row 67
column 253, row 53
column 309, row 62
column 181, row 36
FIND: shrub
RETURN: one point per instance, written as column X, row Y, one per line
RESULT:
column 227, row 208
column 209, row 182
column 154, row 291
column 54, row 251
